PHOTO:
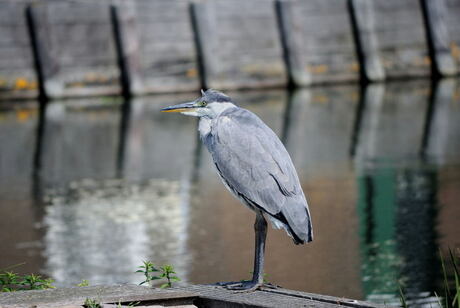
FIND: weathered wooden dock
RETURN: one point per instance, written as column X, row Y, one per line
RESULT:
column 201, row 296
column 76, row 48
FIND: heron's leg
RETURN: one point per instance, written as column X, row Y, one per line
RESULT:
column 260, row 229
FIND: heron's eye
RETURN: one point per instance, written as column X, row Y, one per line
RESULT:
column 202, row 104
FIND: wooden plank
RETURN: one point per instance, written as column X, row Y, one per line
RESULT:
column 239, row 44
column 60, row 297
column 17, row 75
column 367, row 44
column 319, row 41
column 79, row 56
column 213, row 296
column 435, row 13
column 402, row 41
column 453, row 28
column 159, row 45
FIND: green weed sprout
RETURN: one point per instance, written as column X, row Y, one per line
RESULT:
column 165, row 272
column 92, row 303
column 148, row 269
column 10, row 281
column 83, row 283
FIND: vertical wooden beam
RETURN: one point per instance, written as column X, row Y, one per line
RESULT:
column 435, row 13
column 362, row 15
column 42, row 95
column 287, row 28
column 36, row 53
column 125, row 79
column 202, row 30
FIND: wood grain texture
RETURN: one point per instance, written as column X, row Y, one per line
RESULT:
column 363, row 16
column 212, row 296
column 452, row 21
column 435, row 13
column 17, row 76
column 78, row 52
column 403, row 46
column 159, row 38
column 240, row 44
column 320, row 43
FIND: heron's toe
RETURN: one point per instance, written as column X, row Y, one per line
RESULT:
column 244, row 286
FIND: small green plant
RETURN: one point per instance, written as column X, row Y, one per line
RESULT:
column 36, row 282
column 92, row 303
column 451, row 297
column 83, row 283
column 165, row 272
column 402, row 298
column 11, row 281
column 8, row 281
column 148, row 269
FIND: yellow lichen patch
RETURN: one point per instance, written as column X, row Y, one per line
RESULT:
column 426, row 60
column 260, row 69
column 320, row 99
column 354, row 96
column 318, row 69
column 90, row 77
column 33, row 85
column 76, row 84
column 456, row 96
column 23, row 115
column 354, row 67
column 191, row 73
column 421, row 61
column 387, row 63
column 455, row 50
column 21, row 84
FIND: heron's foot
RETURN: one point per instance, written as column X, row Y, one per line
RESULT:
column 246, row 286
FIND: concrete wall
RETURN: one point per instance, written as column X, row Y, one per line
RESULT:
column 139, row 47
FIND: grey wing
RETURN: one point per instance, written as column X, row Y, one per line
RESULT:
column 255, row 165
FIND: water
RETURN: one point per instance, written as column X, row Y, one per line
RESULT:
column 100, row 192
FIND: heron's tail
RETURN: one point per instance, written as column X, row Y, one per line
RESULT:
column 296, row 220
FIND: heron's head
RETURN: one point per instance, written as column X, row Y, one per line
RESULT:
column 210, row 104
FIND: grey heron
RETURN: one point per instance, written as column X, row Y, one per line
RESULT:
column 255, row 166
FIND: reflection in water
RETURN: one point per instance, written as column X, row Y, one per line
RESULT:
column 102, row 231
column 397, row 210
column 379, row 165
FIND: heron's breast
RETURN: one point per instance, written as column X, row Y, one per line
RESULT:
column 204, row 127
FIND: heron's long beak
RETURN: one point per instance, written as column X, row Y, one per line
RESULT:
column 180, row 107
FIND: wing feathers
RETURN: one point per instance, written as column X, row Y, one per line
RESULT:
column 254, row 163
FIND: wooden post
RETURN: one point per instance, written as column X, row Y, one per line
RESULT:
column 18, row 76
column 36, row 52
column 42, row 94
column 238, row 44
column 79, row 56
column 318, row 42
column 203, row 35
column 435, row 13
column 158, row 46
column 362, row 15
column 125, row 79
column 287, row 28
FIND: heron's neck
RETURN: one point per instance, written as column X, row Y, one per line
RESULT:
column 204, row 127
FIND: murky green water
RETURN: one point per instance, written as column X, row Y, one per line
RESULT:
column 100, row 192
